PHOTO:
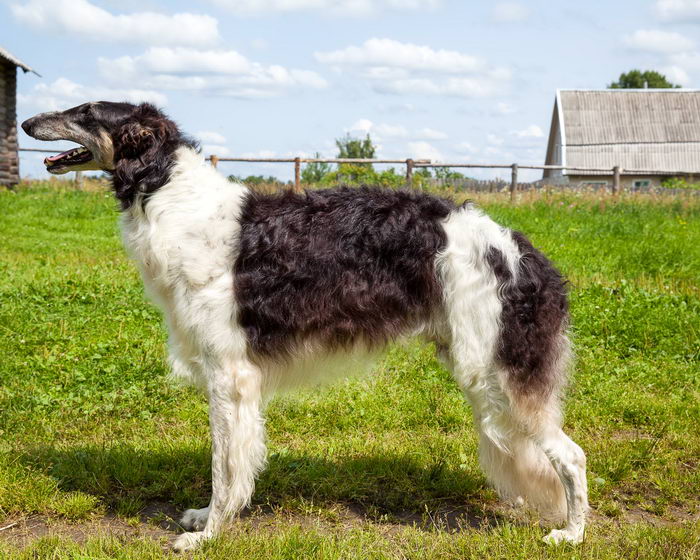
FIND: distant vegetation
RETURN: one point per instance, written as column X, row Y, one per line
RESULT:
column 679, row 183
column 635, row 79
column 256, row 180
column 323, row 174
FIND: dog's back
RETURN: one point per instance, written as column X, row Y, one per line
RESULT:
column 337, row 268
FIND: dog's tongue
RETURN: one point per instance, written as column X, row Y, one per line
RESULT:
column 59, row 156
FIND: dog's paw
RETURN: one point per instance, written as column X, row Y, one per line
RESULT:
column 189, row 541
column 558, row 536
column 195, row 519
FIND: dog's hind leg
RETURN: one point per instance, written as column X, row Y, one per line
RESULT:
column 238, row 449
column 530, row 460
column 513, row 462
column 569, row 462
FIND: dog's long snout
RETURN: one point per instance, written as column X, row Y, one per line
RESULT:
column 46, row 126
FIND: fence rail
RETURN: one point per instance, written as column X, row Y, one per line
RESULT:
column 617, row 171
column 39, row 150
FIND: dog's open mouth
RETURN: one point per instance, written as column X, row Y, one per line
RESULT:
column 65, row 160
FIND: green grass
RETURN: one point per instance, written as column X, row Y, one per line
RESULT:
column 89, row 427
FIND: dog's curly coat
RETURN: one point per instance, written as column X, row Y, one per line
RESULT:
column 260, row 291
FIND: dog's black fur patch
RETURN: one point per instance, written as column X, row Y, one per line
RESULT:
column 534, row 316
column 337, row 266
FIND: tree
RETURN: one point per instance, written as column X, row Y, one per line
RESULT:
column 635, row 79
column 355, row 148
column 315, row 172
column 446, row 174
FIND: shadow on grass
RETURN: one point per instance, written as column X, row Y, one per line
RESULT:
column 386, row 489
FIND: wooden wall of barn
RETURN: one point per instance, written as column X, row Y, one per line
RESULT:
column 9, row 162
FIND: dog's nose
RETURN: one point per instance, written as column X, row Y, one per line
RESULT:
column 27, row 126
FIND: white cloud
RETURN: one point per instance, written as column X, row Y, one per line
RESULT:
column 405, row 68
column 216, row 149
column 80, row 18
column 220, row 72
column 387, row 57
column 503, row 109
column 430, row 134
column 424, row 150
column 686, row 61
column 532, row 131
column 494, row 140
column 678, row 10
column 363, row 125
column 466, row 147
column 181, row 61
column 210, row 136
column 263, row 154
column 508, row 12
column 390, row 131
column 384, row 131
column 676, row 75
column 63, row 94
column 494, row 151
column 654, row 40
column 334, row 7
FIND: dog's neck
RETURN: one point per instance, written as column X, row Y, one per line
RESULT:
column 190, row 181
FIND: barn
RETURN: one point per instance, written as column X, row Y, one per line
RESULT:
column 656, row 131
column 9, row 160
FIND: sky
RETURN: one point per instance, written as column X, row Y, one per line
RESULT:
column 446, row 80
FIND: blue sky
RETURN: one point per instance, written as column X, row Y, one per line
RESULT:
column 440, row 79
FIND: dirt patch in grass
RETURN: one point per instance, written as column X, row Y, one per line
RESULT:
column 23, row 531
column 158, row 522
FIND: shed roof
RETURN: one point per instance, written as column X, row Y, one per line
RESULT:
column 7, row 55
column 650, row 129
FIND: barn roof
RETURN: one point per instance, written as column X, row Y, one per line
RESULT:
column 6, row 55
column 643, row 129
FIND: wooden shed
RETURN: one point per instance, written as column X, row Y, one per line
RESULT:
column 653, row 130
column 9, row 160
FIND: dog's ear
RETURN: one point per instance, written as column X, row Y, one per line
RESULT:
column 133, row 140
column 142, row 147
column 146, row 130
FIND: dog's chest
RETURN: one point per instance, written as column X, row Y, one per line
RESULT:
column 155, row 250
column 179, row 257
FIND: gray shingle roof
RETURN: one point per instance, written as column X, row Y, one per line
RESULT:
column 635, row 129
column 6, row 55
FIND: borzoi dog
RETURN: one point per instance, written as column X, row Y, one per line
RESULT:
column 260, row 291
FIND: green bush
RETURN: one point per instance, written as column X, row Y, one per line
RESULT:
column 679, row 183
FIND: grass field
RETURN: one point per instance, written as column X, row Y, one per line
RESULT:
column 98, row 452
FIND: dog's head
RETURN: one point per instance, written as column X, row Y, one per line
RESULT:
column 134, row 143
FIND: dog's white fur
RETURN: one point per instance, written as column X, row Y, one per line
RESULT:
column 186, row 254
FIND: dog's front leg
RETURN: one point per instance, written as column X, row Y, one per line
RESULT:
column 238, row 450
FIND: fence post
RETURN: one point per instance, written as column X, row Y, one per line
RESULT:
column 616, row 180
column 513, row 181
column 79, row 180
column 297, row 174
column 214, row 160
column 409, row 172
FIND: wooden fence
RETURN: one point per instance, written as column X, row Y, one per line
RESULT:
column 412, row 164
